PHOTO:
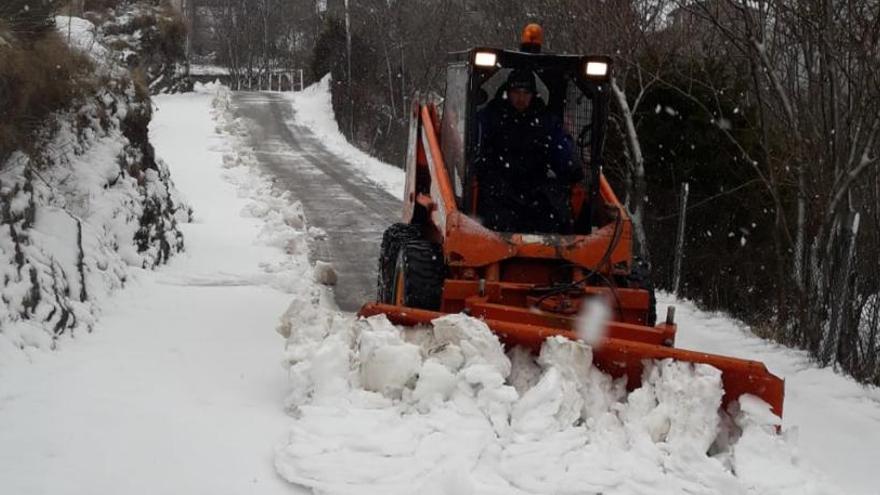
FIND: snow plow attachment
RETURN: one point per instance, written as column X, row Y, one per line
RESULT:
column 619, row 356
column 449, row 255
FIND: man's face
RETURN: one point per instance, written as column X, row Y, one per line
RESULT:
column 520, row 99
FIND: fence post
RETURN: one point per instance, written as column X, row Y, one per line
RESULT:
column 679, row 244
column 839, row 343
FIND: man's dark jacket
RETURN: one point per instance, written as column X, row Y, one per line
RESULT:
column 525, row 167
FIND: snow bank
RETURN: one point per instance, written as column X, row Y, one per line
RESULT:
column 443, row 409
column 82, row 35
column 77, row 215
column 832, row 417
column 314, row 109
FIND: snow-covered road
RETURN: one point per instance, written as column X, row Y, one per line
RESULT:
column 180, row 388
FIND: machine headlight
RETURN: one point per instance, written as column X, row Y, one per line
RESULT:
column 597, row 69
column 485, row 59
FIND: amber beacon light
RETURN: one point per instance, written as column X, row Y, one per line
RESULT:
column 532, row 38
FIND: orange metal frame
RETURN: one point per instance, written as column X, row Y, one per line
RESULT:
column 494, row 276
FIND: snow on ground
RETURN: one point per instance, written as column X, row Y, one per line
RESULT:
column 444, row 410
column 82, row 35
column 178, row 390
column 73, row 224
column 179, row 387
column 207, row 70
column 314, row 109
column 833, row 420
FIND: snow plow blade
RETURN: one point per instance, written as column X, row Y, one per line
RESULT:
column 615, row 356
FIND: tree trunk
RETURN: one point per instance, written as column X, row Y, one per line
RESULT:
column 634, row 147
column 679, row 245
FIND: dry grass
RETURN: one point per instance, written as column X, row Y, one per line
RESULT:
column 99, row 5
column 37, row 78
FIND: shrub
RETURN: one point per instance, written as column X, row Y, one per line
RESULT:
column 99, row 5
column 37, row 78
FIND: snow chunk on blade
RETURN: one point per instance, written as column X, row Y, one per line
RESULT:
column 445, row 410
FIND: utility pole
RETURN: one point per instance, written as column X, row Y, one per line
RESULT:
column 348, row 51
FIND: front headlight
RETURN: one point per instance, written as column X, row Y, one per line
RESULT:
column 485, row 59
column 597, row 69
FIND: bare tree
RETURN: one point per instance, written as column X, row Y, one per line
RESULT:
column 814, row 67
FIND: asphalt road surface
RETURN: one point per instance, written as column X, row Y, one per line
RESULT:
column 352, row 211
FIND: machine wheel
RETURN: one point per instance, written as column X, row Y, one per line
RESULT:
column 640, row 278
column 418, row 276
column 394, row 237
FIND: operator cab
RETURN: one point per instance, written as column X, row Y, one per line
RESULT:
column 574, row 89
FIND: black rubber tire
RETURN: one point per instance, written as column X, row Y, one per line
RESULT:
column 394, row 237
column 640, row 278
column 421, row 264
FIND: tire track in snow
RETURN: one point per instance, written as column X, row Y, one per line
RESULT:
column 352, row 211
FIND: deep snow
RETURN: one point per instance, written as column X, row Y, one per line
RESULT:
column 179, row 389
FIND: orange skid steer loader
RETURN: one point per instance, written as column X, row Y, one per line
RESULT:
column 528, row 286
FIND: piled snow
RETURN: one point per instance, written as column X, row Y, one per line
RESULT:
column 831, row 417
column 324, row 273
column 314, row 109
column 444, row 410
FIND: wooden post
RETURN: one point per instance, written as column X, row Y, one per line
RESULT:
column 679, row 244
column 839, row 342
column 348, row 58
